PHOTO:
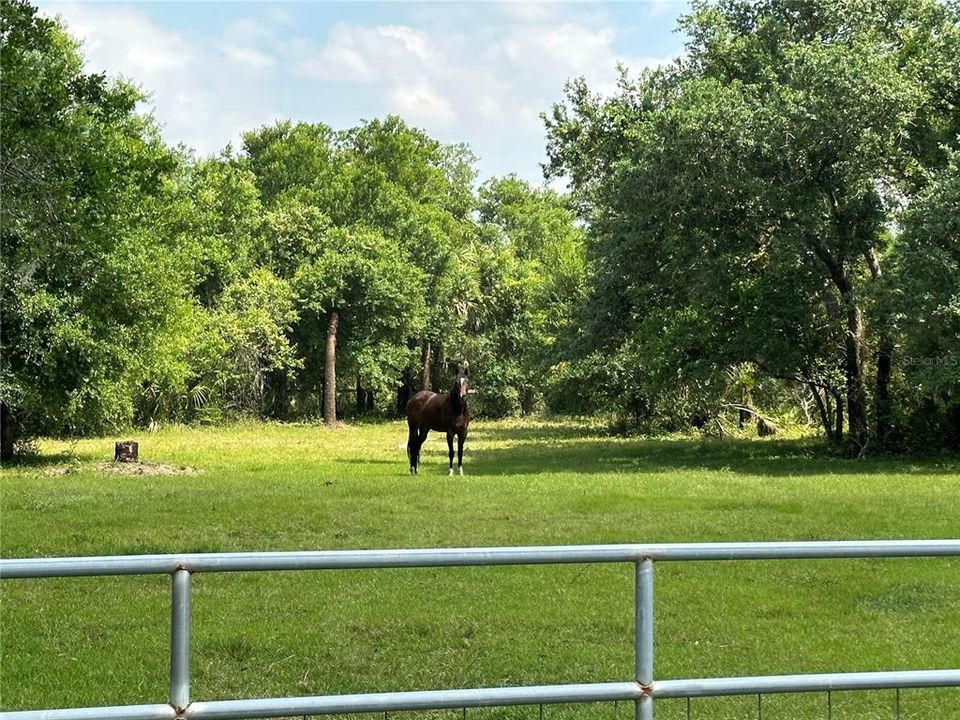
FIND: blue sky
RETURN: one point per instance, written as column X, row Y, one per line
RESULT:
column 479, row 73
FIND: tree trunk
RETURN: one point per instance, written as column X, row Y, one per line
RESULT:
column 330, row 372
column 425, row 365
column 745, row 401
column 953, row 429
column 365, row 401
column 884, row 406
column 403, row 397
column 7, row 434
column 823, row 410
column 884, row 403
column 438, row 365
column 280, row 403
column 406, row 390
column 528, row 401
column 853, row 370
column 855, row 340
column 838, row 418
column 804, row 403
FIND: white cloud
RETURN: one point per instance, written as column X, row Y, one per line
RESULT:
column 479, row 75
column 419, row 102
column 660, row 8
column 123, row 40
column 249, row 56
column 367, row 54
column 240, row 42
column 489, row 78
column 557, row 53
column 460, row 71
column 195, row 92
column 280, row 16
column 414, row 41
column 527, row 11
column 246, row 30
column 338, row 63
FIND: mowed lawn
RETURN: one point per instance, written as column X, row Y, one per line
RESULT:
column 104, row 641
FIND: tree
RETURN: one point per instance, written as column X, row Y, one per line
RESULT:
column 418, row 192
column 212, row 215
column 371, row 301
column 532, row 276
column 926, row 288
column 380, row 179
column 776, row 151
column 87, row 282
column 294, row 158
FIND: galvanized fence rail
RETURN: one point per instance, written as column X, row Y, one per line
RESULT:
column 642, row 690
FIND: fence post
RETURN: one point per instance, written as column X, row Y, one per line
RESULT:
column 180, row 640
column 644, row 639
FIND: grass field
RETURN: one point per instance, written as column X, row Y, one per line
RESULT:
column 70, row 642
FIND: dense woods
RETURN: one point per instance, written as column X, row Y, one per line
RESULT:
column 767, row 230
column 764, row 209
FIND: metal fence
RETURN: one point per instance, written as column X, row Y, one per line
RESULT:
column 642, row 690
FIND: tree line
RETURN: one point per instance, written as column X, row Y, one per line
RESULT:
column 780, row 204
column 766, row 228
column 310, row 272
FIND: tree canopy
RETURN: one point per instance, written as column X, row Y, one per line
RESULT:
column 742, row 201
column 764, row 229
column 87, row 280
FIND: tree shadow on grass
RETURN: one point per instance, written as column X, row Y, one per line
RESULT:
column 494, row 451
column 36, row 461
column 538, row 431
column 529, row 450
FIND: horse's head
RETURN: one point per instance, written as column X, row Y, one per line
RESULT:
column 461, row 383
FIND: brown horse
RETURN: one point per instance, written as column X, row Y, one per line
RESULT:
column 448, row 413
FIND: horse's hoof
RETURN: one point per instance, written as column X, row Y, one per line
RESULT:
column 451, row 472
column 461, row 472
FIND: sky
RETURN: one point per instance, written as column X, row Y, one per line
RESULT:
column 479, row 73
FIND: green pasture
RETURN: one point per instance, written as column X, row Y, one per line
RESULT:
column 74, row 642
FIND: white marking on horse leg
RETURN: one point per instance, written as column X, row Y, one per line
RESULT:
column 451, row 472
column 461, row 471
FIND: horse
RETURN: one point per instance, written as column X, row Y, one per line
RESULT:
column 447, row 413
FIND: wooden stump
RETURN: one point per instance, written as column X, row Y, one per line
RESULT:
column 127, row 451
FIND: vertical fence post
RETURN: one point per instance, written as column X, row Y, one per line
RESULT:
column 180, row 640
column 644, row 640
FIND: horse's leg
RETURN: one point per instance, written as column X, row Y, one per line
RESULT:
column 415, row 453
column 461, row 439
column 450, row 448
column 411, row 447
column 421, row 439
